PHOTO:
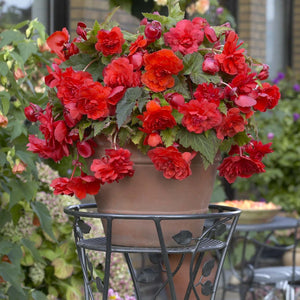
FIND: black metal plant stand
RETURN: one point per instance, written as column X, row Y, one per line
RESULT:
column 219, row 225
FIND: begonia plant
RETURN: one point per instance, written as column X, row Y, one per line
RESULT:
column 175, row 88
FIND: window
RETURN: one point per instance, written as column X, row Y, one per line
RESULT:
column 278, row 35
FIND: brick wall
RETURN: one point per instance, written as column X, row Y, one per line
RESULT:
column 90, row 10
column 296, row 37
column 252, row 26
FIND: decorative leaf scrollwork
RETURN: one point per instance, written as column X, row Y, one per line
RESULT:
column 207, row 268
column 220, row 229
column 184, row 237
column 207, row 288
column 85, row 228
column 155, row 258
column 99, row 284
column 147, row 276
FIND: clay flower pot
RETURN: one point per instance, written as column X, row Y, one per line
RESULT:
column 149, row 192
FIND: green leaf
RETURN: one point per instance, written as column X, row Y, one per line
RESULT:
column 16, row 213
column 26, row 49
column 4, row 218
column 49, row 254
column 223, row 108
column 22, row 190
column 99, row 126
column 3, row 68
column 181, row 87
column 37, row 295
column 126, row 105
column 5, row 247
column 159, row 18
column 11, row 273
column 62, row 269
column 207, row 146
column 192, row 63
column 168, row 136
column 39, row 27
column 5, row 97
column 18, row 58
column 31, row 247
column 242, row 138
column 78, row 61
column 43, row 214
column 15, row 293
column 219, row 30
column 9, row 36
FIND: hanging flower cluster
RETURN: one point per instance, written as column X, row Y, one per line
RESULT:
column 176, row 88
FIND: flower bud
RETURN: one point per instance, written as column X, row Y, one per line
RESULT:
column 80, row 30
column 144, row 22
column 219, row 10
column 136, row 60
column 175, row 99
column 19, row 167
column 18, row 74
column 153, row 31
column 210, row 65
column 270, row 136
column 264, row 73
column 32, row 112
column 154, row 139
column 3, row 121
column 85, row 149
column 210, row 34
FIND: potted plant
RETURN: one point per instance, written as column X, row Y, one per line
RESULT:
column 175, row 93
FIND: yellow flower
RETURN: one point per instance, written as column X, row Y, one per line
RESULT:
column 161, row 2
column 202, row 6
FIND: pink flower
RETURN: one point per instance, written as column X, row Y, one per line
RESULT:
column 185, row 37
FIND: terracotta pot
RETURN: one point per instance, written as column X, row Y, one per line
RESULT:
column 182, row 278
column 148, row 192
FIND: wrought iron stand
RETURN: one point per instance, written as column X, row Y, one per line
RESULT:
column 203, row 275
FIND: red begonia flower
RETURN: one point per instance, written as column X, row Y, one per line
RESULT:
column 171, row 162
column 268, row 97
column 257, row 150
column 231, row 60
column 200, row 116
column 70, row 83
column 57, row 41
column 114, row 166
column 60, row 186
column 160, row 66
column 209, row 92
column 139, row 44
column 92, row 100
column 110, row 42
column 185, row 37
column 84, row 184
column 156, row 117
column 231, row 124
column 208, row 31
column 242, row 166
column 120, row 75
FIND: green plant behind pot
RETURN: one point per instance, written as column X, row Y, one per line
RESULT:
column 281, row 181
